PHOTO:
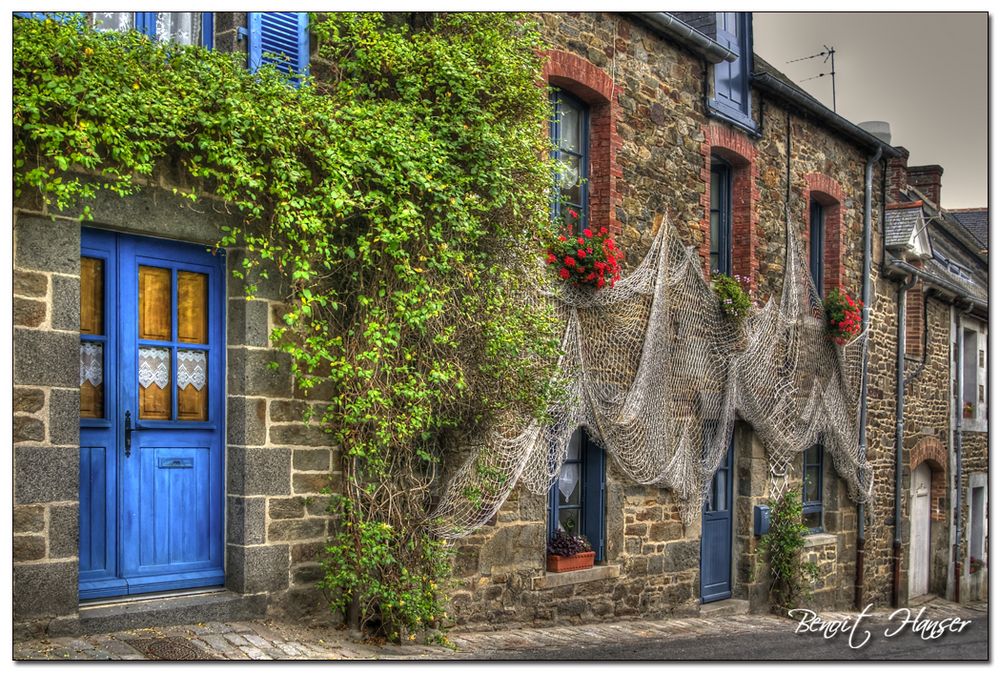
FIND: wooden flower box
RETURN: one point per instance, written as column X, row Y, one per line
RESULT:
column 561, row 564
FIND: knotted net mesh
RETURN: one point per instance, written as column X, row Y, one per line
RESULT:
column 657, row 373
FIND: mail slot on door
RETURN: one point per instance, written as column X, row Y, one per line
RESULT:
column 175, row 463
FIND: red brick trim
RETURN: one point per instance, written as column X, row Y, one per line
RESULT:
column 595, row 87
column 828, row 192
column 929, row 449
column 739, row 151
column 933, row 452
column 915, row 321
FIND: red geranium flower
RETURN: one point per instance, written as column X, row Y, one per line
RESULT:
column 569, row 261
column 581, row 254
column 564, row 273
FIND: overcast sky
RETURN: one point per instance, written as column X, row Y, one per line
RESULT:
column 924, row 73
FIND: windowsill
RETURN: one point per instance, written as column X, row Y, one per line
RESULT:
column 737, row 118
column 553, row 580
column 973, row 425
column 819, row 539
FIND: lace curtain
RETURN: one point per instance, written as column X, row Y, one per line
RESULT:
column 91, row 363
column 179, row 27
column 113, row 20
column 154, row 367
column 191, row 369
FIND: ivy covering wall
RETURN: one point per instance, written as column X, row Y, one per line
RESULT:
column 404, row 197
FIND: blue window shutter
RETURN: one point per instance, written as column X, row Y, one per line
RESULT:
column 734, row 30
column 207, row 30
column 145, row 23
column 728, row 76
column 279, row 38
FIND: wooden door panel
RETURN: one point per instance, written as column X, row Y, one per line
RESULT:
column 920, row 541
column 154, row 303
column 174, row 501
column 91, row 295
column 154, row 383
column 192, row 307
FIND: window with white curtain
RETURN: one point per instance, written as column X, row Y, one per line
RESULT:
column 180, row 27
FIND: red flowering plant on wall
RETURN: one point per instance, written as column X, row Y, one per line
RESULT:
column 843, row 315
column 585, row 257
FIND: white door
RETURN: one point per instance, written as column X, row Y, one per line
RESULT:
column 920, row 530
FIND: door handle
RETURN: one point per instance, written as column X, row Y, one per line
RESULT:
column 128, row 433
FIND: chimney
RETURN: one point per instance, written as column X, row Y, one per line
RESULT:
column 879, row 129
column 928, row 180
column 898, row 175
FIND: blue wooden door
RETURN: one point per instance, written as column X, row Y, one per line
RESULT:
column 151, row 486
column 717, row 534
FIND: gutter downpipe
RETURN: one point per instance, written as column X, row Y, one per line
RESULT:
column 897, row 538
column 866, row 292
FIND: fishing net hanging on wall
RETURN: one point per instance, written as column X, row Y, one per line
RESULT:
column 657, row 374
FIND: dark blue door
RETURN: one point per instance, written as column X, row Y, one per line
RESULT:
column 717, row 534
column 151, row 380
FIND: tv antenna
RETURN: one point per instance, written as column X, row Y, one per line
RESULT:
column 828, row 54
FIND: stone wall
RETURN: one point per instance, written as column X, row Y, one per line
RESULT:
column 278, row 466
column 652, row 561
column 46, row 457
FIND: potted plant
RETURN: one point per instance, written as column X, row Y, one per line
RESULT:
column 733, row 299
column 843, row 315
column 585, row 257
column 569, row 552
column 968, row 411
column 975, row 564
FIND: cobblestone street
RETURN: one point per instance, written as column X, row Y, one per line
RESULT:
column 646, row 639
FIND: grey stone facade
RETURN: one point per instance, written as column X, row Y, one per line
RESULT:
column 278, row 467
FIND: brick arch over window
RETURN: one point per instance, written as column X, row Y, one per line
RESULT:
column 930, row 450
column 594, row 87
column 741, row 154
column 828, row 193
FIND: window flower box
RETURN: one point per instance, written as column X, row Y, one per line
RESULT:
column 561, row 564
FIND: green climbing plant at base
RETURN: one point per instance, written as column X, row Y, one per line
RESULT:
column 782, row 549
column 403, row 197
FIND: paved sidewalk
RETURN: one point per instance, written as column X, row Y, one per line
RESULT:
column 268, row 640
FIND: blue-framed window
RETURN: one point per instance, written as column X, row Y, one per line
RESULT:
column 721, row 217
column 817, row 234
column 197, row 28
column 570, row 133
column 812, row 488
column 41, row 16
column 576, row 500
column 732, row 79
column 280, row 39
